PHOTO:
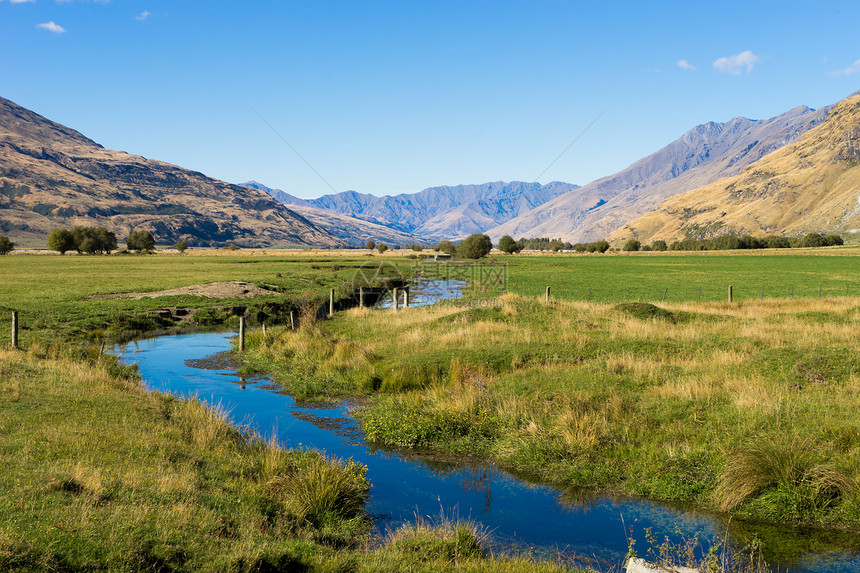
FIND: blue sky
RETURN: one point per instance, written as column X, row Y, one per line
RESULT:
column 389, row 97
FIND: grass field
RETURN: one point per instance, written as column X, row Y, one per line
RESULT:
column 647, row 276
column 749, row 408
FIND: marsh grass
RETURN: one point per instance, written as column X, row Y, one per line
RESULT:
column 631, row 400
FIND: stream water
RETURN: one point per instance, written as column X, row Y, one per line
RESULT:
column 519, row 516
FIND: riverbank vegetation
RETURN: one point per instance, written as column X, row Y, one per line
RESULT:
column 748, row 407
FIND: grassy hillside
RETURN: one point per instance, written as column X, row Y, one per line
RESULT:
column 810, row 186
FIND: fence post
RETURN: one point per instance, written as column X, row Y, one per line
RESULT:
column 819, row 292
column 792, row 292
column 292, row 320
column 394, row 296
column 665, row 292
column 405, row 297
column 547, row 294
column 331, row 302
column 628, row 294
column 241, row 333
column 762, row 293
column 14, row 329
column 361, row 297
column 730, row 293
column 700, row 294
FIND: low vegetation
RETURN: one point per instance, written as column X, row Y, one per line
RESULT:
column 747, row 408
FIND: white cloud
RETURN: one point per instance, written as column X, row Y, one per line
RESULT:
column 850, row 70
column 143, row 15
column 685, row 65
column 19, row 1
column 735, row 64
column 51, row 27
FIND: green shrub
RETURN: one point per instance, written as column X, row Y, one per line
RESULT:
column 475, row 246
column 6, row 246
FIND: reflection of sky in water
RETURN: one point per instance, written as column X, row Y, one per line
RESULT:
column 518, row 515
column 424, row 292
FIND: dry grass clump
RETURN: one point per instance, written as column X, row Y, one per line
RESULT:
column 320, row 488
column 768, row 463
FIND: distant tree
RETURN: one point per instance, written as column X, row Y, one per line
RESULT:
column 447, row 247
column 833, row 240
column 579, row 248
column 93, row 240
column 6, row 246
column 61, row 240
column 778, row 243
column 631, row 245
column 659, row 245
column 381, row 247
column 370, row 244
column 475, row 246
column 140, row 241
column 508, row 245
column 180, row 246
column 812, row 240
column 417, row 248
column 556, row 247
column 601, row 246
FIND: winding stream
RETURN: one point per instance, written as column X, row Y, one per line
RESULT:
column 519, row 517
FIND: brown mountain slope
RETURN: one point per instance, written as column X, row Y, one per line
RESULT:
column 812, row 185
column 52, row 176
column 701, row 156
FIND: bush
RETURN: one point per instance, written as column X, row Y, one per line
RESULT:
column 508, row 245
column 659, row 245
column 631, row 245
column 180, row 245
column 812, row 240
column 417, row 248
column 61, row 240
column 447, row 247
column 140, row 241
column 6, row 246
column 833, row 240
column 381, row 247
column 370, row 244
column 475, row 246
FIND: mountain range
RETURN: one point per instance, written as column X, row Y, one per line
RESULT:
column 52, row 176
column 437, row 213
column 704, row 154
column 812, row 185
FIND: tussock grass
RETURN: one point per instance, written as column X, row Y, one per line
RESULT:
column 773, row 464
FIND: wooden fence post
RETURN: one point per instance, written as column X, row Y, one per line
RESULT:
column 547, row 294
column 730, row 293
column 331, row 302
column 292, row 320
column 241, row 333
column 394, row 296
column 405, row 297
column 14, row 329
column 700, row 294
column 665, row 292
column 360, row 297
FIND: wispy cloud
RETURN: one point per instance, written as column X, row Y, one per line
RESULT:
column 19, row 1
column 736, row 64
column 685, row 65
column 51, row 27
column 850, row 70
column 143, row 15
